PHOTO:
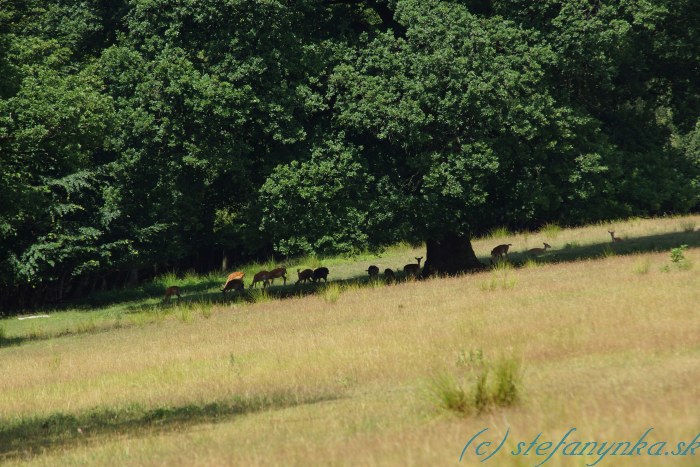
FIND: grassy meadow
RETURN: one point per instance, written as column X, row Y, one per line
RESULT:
column 598, row 336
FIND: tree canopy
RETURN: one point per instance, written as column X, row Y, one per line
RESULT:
column 137, row 135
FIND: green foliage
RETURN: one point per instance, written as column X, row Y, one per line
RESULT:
column 677, row 254
column 144, row 133
column 320, row 205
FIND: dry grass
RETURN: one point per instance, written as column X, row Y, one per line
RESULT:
column 344, row 377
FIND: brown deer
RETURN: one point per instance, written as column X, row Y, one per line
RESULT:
column 235, row 284
column 320, row 273
column 238, row 275
column 262, row 276
column 614, row 238
column 412, row 269
column 373, row 272
column 305, row 275
column 277, row 273
column 170, row 291
column 500, row 251
column 539, row 251
column 389, row 275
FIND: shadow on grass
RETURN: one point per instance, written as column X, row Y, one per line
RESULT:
column 143, row 292
column 14, row 340
column 569, row 252
column 31, row 436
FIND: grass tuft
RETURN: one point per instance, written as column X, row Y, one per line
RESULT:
column 331, row 292
column 551, row 230
column 607, row 252
column 494, row 385
column 642, row 266
column 498, row 232
column 501, row 276
column 688, row 226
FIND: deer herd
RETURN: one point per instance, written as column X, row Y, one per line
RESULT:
column 234, row 281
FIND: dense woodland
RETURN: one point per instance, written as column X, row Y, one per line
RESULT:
column 138, row 136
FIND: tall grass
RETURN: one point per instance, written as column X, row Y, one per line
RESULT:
column 687, row 225
column 502, row 276
column 331, row 292
column 551, row 230
column 498, row 232
column 492, row 385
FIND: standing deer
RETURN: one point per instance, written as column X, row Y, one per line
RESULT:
column 170, row 291
column 500, row 251
column 412, row 269
column 277, row 273
column 262, row 276
column 373, row 272
column 305, row 275
column 389, row 275
column 614, row 238
column 539, row 251
column 320, row 273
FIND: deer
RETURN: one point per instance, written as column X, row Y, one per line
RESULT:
column 412, row 269
column 238, row 275
column 389, row 275
column 170, row 291
column 235, row 284
column 539, row 251
column 373, row 272
column 614, row 238
column 320, row 273
column 500, row 251
column 261, row 276
column 304, row 276
column 277, row 273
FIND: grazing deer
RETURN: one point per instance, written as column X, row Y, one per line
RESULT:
column 412, row 269
column 262, row 276
column 614, row 238
column 232, row 277
column 277, row 273
column 320, row 273
column 389, row 275
column 170, row 291
column 305, row 275
column 373, row 272
column 500, row 251
column 539, row 251
column 235, row 284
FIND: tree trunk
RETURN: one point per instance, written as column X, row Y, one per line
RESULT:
column 224, row 261
column 133, row 277
column 452, row 254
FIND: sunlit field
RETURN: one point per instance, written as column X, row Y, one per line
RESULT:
column 599, row 336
